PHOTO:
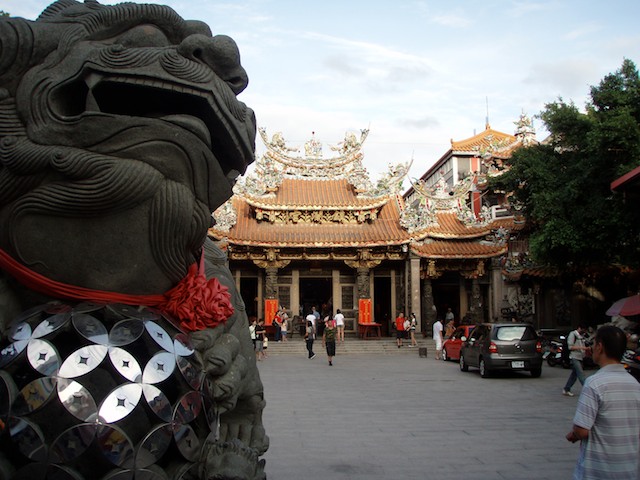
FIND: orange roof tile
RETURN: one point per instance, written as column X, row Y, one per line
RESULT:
column 310, row 194
column 385, row 230
column 458, row 249
column 482, row 140
column 450, row 227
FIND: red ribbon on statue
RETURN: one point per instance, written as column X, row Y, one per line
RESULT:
column 197, row 302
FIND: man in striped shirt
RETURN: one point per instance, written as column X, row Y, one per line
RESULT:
column 607, row 419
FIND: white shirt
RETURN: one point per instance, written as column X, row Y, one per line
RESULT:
column 437, row 330
column 312, row 318
column 339, row 318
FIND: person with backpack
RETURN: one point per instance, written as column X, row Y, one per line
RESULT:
column 577, row 349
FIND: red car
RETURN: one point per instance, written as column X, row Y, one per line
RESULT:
column 451, row 345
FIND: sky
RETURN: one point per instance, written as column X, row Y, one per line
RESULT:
column 417, row 74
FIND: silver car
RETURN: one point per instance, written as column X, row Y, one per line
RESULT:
column 502, row 346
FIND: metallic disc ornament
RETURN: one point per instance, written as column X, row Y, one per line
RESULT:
column 100, row 391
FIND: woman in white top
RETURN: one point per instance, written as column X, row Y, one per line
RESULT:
column 339, row 318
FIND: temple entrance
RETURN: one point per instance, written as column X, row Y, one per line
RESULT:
column 446, row 294
column 249, row 294
column 382, row 303
column 316, row 291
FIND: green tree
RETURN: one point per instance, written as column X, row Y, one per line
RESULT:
column 564, row 182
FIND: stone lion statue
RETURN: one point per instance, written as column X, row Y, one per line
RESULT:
column 125, row 345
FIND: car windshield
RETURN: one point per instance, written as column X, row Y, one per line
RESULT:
column 510, row 333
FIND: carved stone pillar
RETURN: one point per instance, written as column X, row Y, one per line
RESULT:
column 271, row 285
column 429, row 274
column 271, row 263
column 363, row 282
column 476, row 301
column 427, row 300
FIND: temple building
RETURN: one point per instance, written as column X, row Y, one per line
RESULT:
column 305, row 229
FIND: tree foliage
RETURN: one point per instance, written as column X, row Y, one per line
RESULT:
column 564, row 182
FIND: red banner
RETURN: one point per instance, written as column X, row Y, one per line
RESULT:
column 270, row 310
column 364, row 310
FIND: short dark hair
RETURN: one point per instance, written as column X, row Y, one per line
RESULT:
column 613, row 341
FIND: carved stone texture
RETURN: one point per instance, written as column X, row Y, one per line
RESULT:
column 120, row 133
column 363, row 282
column 271, row 285
column 427, row 300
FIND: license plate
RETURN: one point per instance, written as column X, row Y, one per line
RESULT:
column 517, row 364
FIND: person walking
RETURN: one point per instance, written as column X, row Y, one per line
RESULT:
column 309, row 336
column 607, row 418
column 437, row 337
column 399, row 329
column 285, row 327
column 252, row 331
column 577, row 349
column 277, row 323
column 413, row 323
column 260, row 340
column 329, row 339
column 339, row 319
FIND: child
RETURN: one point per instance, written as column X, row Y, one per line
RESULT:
column 265, row 344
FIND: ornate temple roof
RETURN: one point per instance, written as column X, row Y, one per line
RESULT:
column 488, row 139
column 304, row 232
column 296, row 198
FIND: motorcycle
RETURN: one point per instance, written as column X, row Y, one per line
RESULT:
column 558, row 353
column 631, row 362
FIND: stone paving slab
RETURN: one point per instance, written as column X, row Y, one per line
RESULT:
column 405, row 417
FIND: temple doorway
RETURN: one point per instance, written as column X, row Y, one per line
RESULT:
column 382, row 303
column 315, row 292
column 249, row 294
column 446, row 294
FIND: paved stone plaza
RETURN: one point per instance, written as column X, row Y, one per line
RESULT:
column 405, row 417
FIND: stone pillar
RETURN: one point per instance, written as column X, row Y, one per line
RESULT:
column 476, row 301
column 363, row 283
column 414, row 294
column 429, row 316
column 336, row 292
column 497, row 290
column 271, row 285
column 295, row 292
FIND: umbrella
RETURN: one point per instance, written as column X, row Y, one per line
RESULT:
column 625, row 306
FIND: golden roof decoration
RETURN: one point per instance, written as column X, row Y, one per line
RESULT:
column 442, row 199
column 288, row 186
column 494, row 154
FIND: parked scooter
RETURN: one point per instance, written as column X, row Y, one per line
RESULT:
column 558, row 353
column 631, row 362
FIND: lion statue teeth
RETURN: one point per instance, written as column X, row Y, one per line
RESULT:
column 120, row 133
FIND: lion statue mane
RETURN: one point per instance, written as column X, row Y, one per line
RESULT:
column 125, row 344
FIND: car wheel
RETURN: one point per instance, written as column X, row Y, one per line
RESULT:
column 536, row 372
column 445, row 358
column 484, row 372
column 463, row 365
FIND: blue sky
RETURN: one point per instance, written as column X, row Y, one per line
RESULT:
column 417, row 73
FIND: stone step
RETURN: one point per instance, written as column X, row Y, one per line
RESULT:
column 351, row 346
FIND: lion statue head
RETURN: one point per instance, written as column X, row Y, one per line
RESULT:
column 120, row 133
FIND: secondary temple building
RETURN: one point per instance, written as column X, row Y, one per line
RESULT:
column 307, row 229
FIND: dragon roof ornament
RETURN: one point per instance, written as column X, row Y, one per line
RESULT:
column 308, row 162
column 440, row 198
